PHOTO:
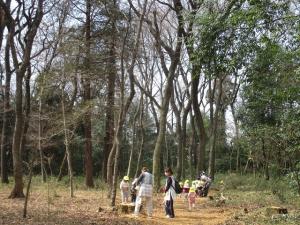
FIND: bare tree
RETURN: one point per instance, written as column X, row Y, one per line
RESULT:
column 177, row 111
column 214, row 124
column 169, row 71
column 181, row 111
column 67, row 141
column 27, row 110
column 88, row 160
column 2, row 23
column 34, row 19
column 134, row 136
column 125, row 105
column 7, row 112
column 111, row 83
column 141, row 137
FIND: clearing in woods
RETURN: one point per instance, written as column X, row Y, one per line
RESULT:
column 204, row 213
column 56, row 207
column 247, row 200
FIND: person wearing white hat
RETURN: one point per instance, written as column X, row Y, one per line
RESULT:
column 124, row 187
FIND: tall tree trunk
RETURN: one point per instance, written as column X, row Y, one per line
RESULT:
column 117, row 143
column 2, row 25
column 195, row 79
column 125, row 106
column 162, row 130
column 68, row 152
column 142, row 139
column 88, row 160
column 155, row 116
column 20, row 69
column 179, row 151
column 110, row 167
column 27, row 114
column 237, row 134
column 192, row 156
column 184, row 137
column 111, row 80
column 179, row 157
column 6, row 128
column 17, row 191
column 118, row 137
column 221, row 144
column 212, row 153
column 167, row 152
column 199, row 119
column 61, row 168
column 1, row 102
column 167, row 93
column 214, row 133
column 41, row 154
column 266, row 160
column 134, row 137
column 27, row 191
column 132, row 150
column 169, row 73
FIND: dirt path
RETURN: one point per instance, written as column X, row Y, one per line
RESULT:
column 59, row 208
column 203, row 214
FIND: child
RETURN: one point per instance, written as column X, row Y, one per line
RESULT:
column 181, row 186
column 124, row 186
column 192, row 198
column 194, row 183
column 186, row 189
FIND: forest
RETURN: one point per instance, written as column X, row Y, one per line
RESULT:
column 92, row 91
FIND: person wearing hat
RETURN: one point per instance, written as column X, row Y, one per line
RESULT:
column 186, row 189
column 194, row 183
column 124, row 187
column 181, row 186
column 206, row 182
column 192, row 198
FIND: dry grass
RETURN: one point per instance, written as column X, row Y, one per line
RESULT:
column 253, row 195
column 51, row 204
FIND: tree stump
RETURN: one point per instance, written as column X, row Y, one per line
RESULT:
column 276, row 210
column 220, row 202
column 126, row 208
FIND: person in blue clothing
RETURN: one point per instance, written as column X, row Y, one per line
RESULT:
column 170, row 193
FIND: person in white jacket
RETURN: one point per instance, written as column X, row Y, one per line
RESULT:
column 170, row 193
column 145, row 192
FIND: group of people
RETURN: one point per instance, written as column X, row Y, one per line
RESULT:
column 198, row 188
column 141, row 189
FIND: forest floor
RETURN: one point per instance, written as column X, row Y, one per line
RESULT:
column 50, row 204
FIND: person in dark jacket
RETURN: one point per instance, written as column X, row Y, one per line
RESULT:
column 170, row 193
